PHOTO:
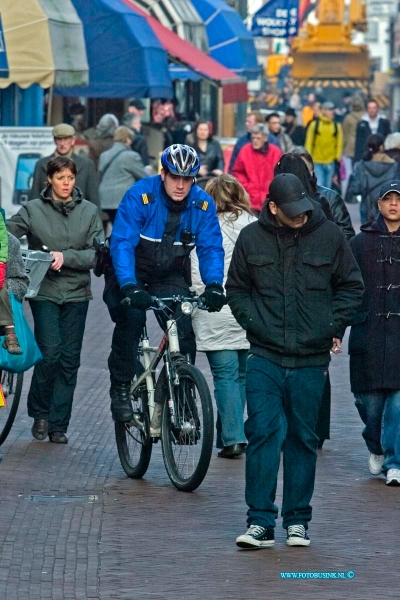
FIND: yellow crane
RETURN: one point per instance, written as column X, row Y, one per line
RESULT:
column 325, row 55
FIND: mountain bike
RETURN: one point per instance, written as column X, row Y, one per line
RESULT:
column 181, row 397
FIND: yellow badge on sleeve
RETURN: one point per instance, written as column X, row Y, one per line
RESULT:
column 148, row 198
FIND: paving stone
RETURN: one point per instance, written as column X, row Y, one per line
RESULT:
column 144, row 539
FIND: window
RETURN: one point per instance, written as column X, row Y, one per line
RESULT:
column 372, row 32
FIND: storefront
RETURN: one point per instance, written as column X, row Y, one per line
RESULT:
column 37, row 54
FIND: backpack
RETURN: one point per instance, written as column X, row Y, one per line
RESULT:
column 316, row 132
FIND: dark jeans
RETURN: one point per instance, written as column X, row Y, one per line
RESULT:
column 59, row 330
column 129, row 323
column 380, row 412
column 281, row 403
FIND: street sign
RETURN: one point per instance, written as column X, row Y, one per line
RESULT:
column 381, row 8
column 4, row 72
column 276, row 19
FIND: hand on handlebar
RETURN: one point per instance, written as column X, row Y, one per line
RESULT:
column 138, row 298
column 214, row 297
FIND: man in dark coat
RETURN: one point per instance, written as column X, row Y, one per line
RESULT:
column 139, row 142
column 296, row 132
column 294, row 285
column 371, row 122
column 86, row 176
column 374, row 342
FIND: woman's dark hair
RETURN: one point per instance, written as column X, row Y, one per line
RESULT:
column 60, row 163
column 293, row 163
column 374, row 142
column 301, row 151
column 197, row 125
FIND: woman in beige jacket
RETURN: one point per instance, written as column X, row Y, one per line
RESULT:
column 219, row 334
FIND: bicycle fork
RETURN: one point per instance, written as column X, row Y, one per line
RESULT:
column 172, row 376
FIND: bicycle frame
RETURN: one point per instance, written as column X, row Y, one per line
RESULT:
column 169, row 343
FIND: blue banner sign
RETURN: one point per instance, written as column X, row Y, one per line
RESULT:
column 276, row 19
column 4, row 72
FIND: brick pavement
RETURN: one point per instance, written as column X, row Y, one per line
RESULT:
column 144, row 539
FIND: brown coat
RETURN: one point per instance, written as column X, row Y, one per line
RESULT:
column 349, row 126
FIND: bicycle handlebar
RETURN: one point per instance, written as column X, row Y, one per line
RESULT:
column 160, row 302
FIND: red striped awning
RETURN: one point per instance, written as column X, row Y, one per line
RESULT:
column 234, row 88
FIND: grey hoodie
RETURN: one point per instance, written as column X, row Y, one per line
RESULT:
column 368, row 178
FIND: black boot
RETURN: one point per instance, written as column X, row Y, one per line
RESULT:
column 121, row 407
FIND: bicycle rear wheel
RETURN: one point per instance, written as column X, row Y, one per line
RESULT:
column 133, row 440
column 12, row 388
column 187, row 439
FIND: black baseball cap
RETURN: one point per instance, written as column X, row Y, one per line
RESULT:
column 138, row 104
column 290, row 112
column 390, row 186
column 288, row 193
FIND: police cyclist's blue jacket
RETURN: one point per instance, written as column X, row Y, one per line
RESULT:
column 140, row 226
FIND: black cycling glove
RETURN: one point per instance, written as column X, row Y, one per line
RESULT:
column 140, row 299
column 214, row 297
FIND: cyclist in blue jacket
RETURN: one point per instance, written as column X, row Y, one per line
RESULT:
column 159, row 221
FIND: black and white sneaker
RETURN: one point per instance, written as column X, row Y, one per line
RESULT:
column 256, row 537
column 297, row 536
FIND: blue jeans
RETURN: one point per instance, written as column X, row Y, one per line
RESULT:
column 281, row 403
column 228, row 368
column 324, row 173
column 380, row 413
column 59, row 330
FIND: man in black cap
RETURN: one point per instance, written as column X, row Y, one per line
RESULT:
column 137, row 107
column 294, row 286
column 374, row 342
column 296, row 132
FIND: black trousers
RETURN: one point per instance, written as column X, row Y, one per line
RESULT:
column 59, row 330
column 129, row 323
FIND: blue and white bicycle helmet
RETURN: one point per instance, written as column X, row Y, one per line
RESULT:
column 181, row 160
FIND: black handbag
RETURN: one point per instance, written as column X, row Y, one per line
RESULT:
column 102, row 259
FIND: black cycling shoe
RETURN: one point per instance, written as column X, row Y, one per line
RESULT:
column 121, row 406
column 40, row 429
column 58, row 437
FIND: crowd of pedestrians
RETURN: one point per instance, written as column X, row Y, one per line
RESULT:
column 271, row 249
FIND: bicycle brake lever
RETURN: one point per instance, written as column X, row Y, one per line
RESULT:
column 201, row 305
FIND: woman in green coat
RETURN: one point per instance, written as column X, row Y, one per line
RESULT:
column 61, row 220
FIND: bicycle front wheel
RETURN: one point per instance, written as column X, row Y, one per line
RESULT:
column 12, row 388
column 187, row 429
column 133, row 440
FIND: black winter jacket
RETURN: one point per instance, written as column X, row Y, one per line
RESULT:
column 364, row 131
column 374, row 342
column 340, row 214
column 293, row 290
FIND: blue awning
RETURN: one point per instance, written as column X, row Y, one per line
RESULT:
column 230, row 43
column 178, row 72
column 124, row 55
